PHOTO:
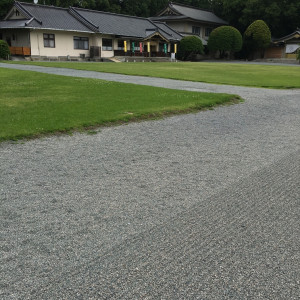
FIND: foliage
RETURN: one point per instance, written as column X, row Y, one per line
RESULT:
column 236, row 74
column 190, row 45
column 34, row 103
column 4, row 50
column 282, row 16
column 257, row 37
column 298, row 55
column 225, row 38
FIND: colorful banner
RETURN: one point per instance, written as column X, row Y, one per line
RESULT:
column 175, row 48
column 165, row 48
column 141, row 47
column 125, row 46
column 132, row 47
column 148, row 47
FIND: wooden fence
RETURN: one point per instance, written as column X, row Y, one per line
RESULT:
column 24, row 51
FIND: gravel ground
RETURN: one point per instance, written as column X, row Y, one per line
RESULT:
column 198, row 206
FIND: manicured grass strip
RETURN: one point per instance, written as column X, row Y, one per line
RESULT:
column 219, row 73
column 32, row 104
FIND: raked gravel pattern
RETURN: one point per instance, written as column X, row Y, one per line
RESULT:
column 197, row 206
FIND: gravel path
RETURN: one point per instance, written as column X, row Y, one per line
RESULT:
column 198, row 206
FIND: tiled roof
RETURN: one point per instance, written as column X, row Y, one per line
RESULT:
column 165, row 29
column 83, row 20
column 52, row 17
column 122, row 25
column 13, row 24
column 190, row 13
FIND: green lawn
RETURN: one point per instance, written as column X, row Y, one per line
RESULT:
column 220, row 73
column 32, row 104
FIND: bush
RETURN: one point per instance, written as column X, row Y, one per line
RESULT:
column 190, row 45
column 4, row 50
column 257, row 36
column 225, row 38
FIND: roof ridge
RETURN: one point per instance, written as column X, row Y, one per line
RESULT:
column 161, row 29
column 165, row 24
column 42, row 5
column 190, row 6
column 19, row 5
column 111, row 13
column 80, row 18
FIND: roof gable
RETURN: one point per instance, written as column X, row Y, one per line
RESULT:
column 293, row 36
column 50, row 17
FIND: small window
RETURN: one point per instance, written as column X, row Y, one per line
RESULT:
column 208, row 31
column 196, row 30
column 107, row 44
column 49, row 40
column 136, row 45
column 17, row 13
column 81, row 43
column 120, row 45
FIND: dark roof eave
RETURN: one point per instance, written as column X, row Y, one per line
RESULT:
column 190, row 19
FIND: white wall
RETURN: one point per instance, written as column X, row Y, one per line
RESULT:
column 64, row 44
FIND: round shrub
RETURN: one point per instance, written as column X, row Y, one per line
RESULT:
column 225, row 38
column 4, row 50
column 257, row 35
column 190, row 45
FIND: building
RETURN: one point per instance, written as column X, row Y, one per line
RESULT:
column 188, row 20
column 284, row 47
column 41, row 32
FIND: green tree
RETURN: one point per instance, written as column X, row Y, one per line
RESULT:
column 188, row 46
column 5, row 5
column 282, row 15
column 257, row 37
column 298, row 55
column 4, row 50
column 223, row 39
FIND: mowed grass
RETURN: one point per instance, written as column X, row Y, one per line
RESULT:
column 32, row 104
column 219, row 73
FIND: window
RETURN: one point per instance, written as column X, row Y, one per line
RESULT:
column 120, row 45
column 81, row 43
column 49, row 40
column 107, row 44
column 17, row 13
column 196, row 30
column 208, row 31
column 136, row 45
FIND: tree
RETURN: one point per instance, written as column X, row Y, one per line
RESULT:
column 223, row 39
column 4, row 50
column 257, row 37
column 190, row 45
column 281, row 15
column 298, row 55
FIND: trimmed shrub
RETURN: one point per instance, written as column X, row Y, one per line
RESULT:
column 223, row 39
column 257, row 37
column 4, row 50
column 190, row 45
